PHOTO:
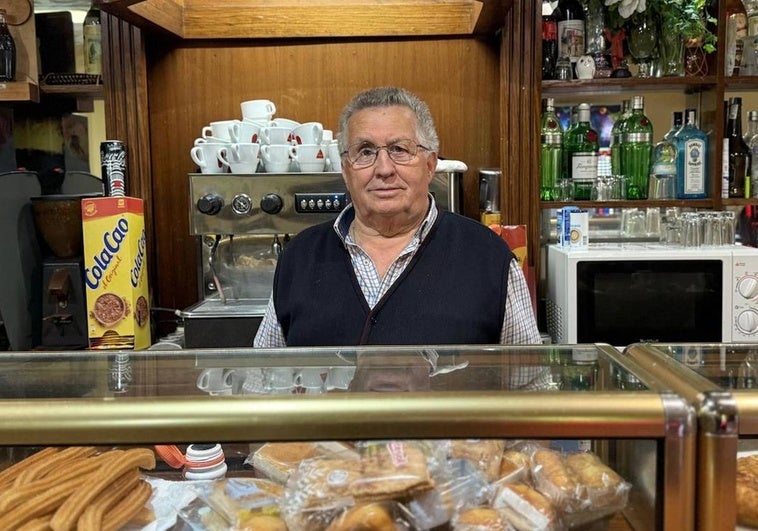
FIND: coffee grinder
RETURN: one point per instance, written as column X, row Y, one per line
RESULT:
column 64, row 306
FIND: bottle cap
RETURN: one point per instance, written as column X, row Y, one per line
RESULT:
column 638, row 102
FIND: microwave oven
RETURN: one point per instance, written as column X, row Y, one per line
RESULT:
column 625, row 293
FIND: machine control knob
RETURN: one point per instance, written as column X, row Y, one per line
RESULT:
column 271, row 204
column 748, row 286
column 210, row 204
column 242, row 204
column 747, row 321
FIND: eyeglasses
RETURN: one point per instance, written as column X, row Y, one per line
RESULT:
column 363, row 154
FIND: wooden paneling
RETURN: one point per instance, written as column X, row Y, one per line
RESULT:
column 192, row 84
column 520, row 120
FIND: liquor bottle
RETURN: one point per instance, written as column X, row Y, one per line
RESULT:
column 752, row 126
column 616, row 131
column 571, row 31
column 736, row 33
column 551, row 152
column 751, row 139
column 7, row 50
column 692, row 159
column 581, row 148
column 739, row 153
column 676, row 124
column 637, row 150
column 663, row 171
column 749, row 65
column 549, row 38
column 92, row 41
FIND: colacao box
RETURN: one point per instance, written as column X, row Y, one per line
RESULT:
column 573, row 227
column 115, row 273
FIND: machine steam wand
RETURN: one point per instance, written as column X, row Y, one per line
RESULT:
column 211, row 257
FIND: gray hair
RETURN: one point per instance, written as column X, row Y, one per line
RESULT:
column 385, row 97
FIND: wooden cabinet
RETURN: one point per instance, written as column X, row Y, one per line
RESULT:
column 21, row 25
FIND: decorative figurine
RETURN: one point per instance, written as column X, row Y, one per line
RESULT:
column 585, row 67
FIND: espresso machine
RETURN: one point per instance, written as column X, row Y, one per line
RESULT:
column 241, row 223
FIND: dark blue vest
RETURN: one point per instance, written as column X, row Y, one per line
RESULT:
column 452, row 292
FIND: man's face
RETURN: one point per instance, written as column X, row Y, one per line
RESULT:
column 386, row 188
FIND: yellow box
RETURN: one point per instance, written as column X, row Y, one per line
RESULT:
column 115, row 273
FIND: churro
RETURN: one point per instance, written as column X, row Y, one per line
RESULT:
column 128, row 507
column 92, row 517
column 41, row 467
column 41, row 504
column 10, row 473
column 68, row 513
column 38, row 524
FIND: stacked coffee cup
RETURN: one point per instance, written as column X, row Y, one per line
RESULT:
column 259, row 142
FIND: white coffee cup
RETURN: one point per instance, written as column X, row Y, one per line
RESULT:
column 216, row 381
column 339, row 378
column 333, row 156
column 279, row 379
column 199, row 140
column 205, row 155
column 327, row 136
column 284, row 122
column 258, row 109
column 245, row 131
column 276, row 157
column 241, row 157
column 310, row 379
column 218, row 130
column 275, row 135
column 309, row 157
column 308, row 133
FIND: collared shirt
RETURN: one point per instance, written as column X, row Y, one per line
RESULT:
column 519, row 324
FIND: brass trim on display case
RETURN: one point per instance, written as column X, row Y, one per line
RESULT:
column 338, row 416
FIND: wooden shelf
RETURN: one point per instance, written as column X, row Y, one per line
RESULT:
column 681, row 203
column 75, row 91
column 19, row 91
column 272, row 19
column 613, row 85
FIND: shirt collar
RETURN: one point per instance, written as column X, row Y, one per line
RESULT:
column 346, row 217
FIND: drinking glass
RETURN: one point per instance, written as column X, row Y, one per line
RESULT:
column 642, row 40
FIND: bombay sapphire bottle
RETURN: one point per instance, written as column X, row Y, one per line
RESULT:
column 637, row 150
column 692, row 157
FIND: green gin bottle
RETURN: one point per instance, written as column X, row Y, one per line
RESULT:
column 581, row 148
column 616, row 131
column 551, row 152
column 637, row 150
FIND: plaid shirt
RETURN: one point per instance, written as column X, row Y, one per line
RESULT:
column 519, row 324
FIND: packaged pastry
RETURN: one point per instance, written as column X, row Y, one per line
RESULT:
column 276, row 461
column 604, row 487
column 237, row 500
column 747, row 491
column 514, row 467
column 392, row 470
column 367, row 517
column 557, row 482
column 486, row 454
column 480, row 519
column 526, row 509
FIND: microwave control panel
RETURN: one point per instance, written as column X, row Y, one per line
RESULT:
column 744, row 316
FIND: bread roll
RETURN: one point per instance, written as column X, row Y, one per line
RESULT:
column 262, row 522
column 557, row 482
column 592, row 472
column 369, row 517
column 514, row 467
column 480, row 519
column 486, row 454
column 747, row 491
column 525, row 508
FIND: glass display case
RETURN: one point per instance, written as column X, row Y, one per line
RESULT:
column 719, row 380
column 541, row 400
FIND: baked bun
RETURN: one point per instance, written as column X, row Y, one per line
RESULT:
column 514, row 466
column 525, row 508
column 479, row 519
column 262, row 522
column 486, row 454
column 747, row 491
column 369, row 517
